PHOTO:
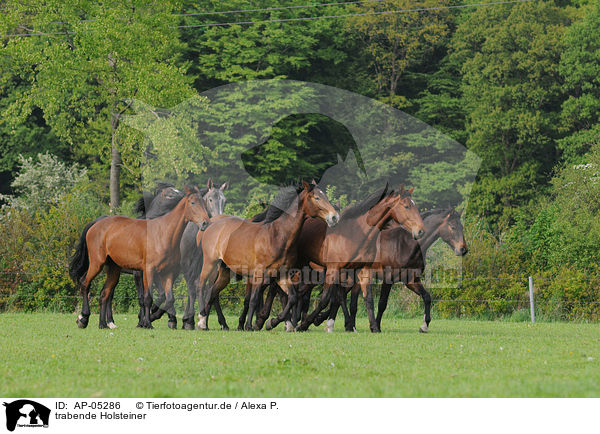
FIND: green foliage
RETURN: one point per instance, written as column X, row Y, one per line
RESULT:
column 39, row 246
column 43, row 182
column 511, row 92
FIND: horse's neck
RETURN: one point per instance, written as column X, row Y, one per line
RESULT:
column 170, row 226
column 432, row 233
column 289, row 224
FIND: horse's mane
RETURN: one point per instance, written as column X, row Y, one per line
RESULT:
column 360, row 208
column 142, row 204
column 160, row 186
column 437, row 211
column 282, row 201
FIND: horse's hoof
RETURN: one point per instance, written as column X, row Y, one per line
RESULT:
column 289, row 327
column 269, row 324
column 240, row 328
column 102, row 326
column 82, row 322
column 329, row 325
column 111, row 325
column 423, row 329
column 225, row 328
column 188, row 326
column 172, row 325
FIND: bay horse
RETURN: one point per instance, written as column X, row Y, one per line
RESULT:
column 214, row 197
column 402, row 259
column 351, row 244
column 260, row 252
column 118, row 242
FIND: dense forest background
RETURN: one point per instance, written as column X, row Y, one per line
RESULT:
column 516, row 83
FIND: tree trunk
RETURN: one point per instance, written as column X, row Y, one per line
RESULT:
column 115, row 171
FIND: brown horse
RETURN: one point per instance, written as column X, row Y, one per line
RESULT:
column 351, row 244
column 118, row 242
column 333, row 252
column 402, row 259
column 261, row 252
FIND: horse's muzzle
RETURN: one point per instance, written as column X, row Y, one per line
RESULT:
column 203, row 225
column 332, row 220
column 417, row 235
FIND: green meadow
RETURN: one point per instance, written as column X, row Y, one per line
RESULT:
column 46, row 355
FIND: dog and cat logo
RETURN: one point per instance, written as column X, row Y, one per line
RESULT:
column 26, row 413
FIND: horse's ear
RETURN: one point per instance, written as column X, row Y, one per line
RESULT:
column 410, row 191
column 305, row 185
column 224, row 186
column 401, row 189
column 196, row 189
column 313, row 182
column 187, row 190
column 209, row 184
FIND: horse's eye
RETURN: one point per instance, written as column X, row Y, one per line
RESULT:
column 406, row 206
column 193, row 203
column 210, row 200
column 316, row 198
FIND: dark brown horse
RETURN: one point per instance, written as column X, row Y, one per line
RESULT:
column 260, row 252
column 118, row 242
column 351, row 244
column 402, row 259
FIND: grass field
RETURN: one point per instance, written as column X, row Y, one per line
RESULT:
column 45, row 355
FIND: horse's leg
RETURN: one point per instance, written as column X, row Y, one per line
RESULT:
column 112, row 278
column 148, row 278
column 288, row 287
column 156, row 312
column 220, row 315
column 161, row 298
column 242, row 319
column 305, row 302
column 94, row 268
column 351, row 324
column 383, row 301
column 323, row 301
column 190, row 304
column 417, row 287
column 110, row 321
column 212, row 280
column 139, row 284
column 256, row 283
column 367, row 290
column 264, row 312
column 165, row 283
column 343, row 294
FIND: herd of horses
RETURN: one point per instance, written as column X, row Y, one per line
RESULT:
column 298, row 242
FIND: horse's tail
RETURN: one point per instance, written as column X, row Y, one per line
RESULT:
column 80, row 260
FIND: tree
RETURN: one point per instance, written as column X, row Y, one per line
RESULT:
column 511, row 93
column 580, row 69
column 394, row 41
column 85, row 62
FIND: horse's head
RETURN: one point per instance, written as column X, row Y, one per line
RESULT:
column 215, row 198
column 402, row 210
column 315, row 204
column 195, row 208
column 451, row 231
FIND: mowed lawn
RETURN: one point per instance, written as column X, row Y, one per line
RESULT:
column 43, row 355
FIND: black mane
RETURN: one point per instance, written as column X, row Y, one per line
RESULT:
column 437, row 211
column 144, row 206
column 282, row 201
column 360, row 208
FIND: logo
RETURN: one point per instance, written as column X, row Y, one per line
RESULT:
column 26, row 413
